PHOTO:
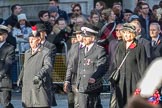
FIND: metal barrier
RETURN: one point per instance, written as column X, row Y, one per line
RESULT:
column 59, row 72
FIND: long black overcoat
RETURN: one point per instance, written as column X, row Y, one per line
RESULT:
column 131, row 71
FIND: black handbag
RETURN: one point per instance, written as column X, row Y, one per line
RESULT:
column 115, row 75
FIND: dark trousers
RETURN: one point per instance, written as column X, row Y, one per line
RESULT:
column 70, row 100
column 5, row 98
column 89, row 100
column 73, row 98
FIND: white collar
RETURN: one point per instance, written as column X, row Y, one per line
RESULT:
column 2, row 43
column 90, row 46
column 156, row 39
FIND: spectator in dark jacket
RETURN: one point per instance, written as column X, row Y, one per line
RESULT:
column 60, row 32
column 61, row 13
column 12, row 20
column 44, row 19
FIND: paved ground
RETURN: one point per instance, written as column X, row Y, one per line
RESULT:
column 60, row 98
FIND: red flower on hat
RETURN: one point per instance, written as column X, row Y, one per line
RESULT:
column 133, row 45
column 34, row 28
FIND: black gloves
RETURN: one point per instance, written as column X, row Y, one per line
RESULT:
column 36, row 80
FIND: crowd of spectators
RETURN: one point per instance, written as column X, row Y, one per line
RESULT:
column 60, row 26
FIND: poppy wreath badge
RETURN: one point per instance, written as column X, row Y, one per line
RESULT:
column 158, row 42
column 154, row 99
column 132, row 45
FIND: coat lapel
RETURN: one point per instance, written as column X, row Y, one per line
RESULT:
column 30, row 55
column 90, row 51
column 158, row 43
column 3, row 52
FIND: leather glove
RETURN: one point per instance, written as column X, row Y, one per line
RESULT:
column 36, row 80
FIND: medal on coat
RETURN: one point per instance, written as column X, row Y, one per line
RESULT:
column 88, row 61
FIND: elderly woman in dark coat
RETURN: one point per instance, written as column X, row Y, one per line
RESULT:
column 132, row 69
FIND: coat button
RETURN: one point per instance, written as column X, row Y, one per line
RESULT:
column 84, row 75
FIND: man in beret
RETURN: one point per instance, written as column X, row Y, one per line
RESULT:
column 7, row 56
column 36, row 74
column 43, row 35
column 91, row 68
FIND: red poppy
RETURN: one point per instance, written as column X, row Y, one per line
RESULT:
column 137, row 91
column 153, row 99
column 158, row 42
column 133, row 45
column 34, row 28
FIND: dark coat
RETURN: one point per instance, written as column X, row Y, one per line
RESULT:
column 72, row 64
column 145, row 26
column 51, row 47
column 12, row 40
column 53, row 50
column 39, row 64
column 131, row 71
column 147, row 46
column 91, row 65
column 48, row 26
column 63, row 14
column 11, row 20
column 112, row 50
column 157, row 49
column 7, row 56
column 63, row 35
